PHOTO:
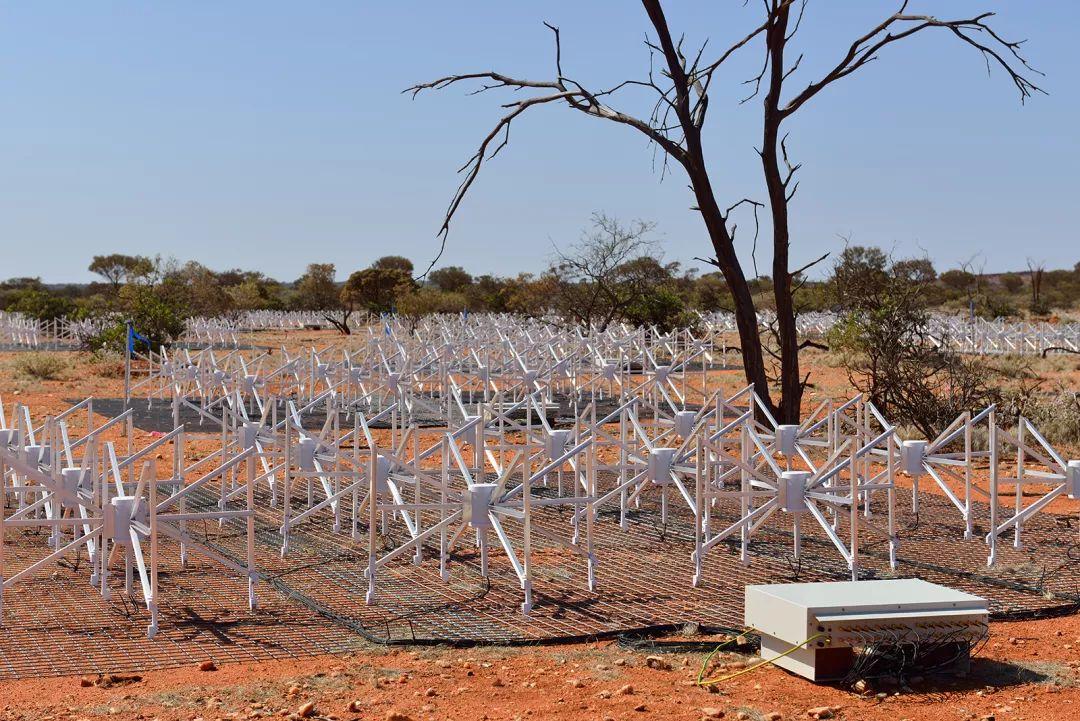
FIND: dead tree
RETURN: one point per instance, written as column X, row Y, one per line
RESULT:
column 1036, row 270
column 675, row 125
column 592, row 288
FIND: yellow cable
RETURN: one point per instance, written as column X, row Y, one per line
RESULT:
column 701, row 671
column 748, row 669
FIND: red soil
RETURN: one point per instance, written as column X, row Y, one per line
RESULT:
column 585, row 681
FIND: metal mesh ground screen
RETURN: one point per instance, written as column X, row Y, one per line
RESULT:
column 312, row 602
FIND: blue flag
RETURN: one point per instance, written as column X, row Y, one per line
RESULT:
column 133, row 336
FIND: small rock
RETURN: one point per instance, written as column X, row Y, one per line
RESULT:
column 430, row 692
column 641, row 708
column 657, row 663
column 86, row 681
column 742, row 716
column 397, row 716
column 604, row 694
column 117, row 679
column 626, row 690
column 576, row 683
column 861, row 686
column 355, row 706
column 208, row 666
column 820, row 712
column 709, row 712
column 498, row 682
column 307, row 710
column 773, row 716
column 620, row 662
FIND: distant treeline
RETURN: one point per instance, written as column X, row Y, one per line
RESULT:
column 613, row 274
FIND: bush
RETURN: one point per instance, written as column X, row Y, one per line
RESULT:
column 426, row 300
column 108, row 364
column 663, row 307
column 889, row 355
column 40, row 304
column 41, row 366
column 1040, row 309
column 152, row 317
column 1056, row 414
column 958, row 280
column 1012, row 282
column 999, row 306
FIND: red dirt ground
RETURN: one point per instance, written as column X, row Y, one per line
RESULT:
column 585, row 681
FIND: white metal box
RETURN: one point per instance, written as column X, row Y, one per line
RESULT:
column 827, row 621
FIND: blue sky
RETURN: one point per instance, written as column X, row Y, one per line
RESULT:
column 272, row 134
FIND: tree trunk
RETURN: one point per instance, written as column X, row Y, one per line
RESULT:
column 745, row 312
column 715, row 222
column 341, row 325
column 791, row 385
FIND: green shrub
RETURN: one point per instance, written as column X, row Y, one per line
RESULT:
column 152, row 317
column 883, row 343
column 1056, row 414
column 998, row 306
column 40, row 304
column 41, row 366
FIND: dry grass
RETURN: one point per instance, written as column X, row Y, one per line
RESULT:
column 107, row 364
column 41, row 366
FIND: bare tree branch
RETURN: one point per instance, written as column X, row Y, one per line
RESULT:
column 576, row 97
column 808, row 266
column 996, row 50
